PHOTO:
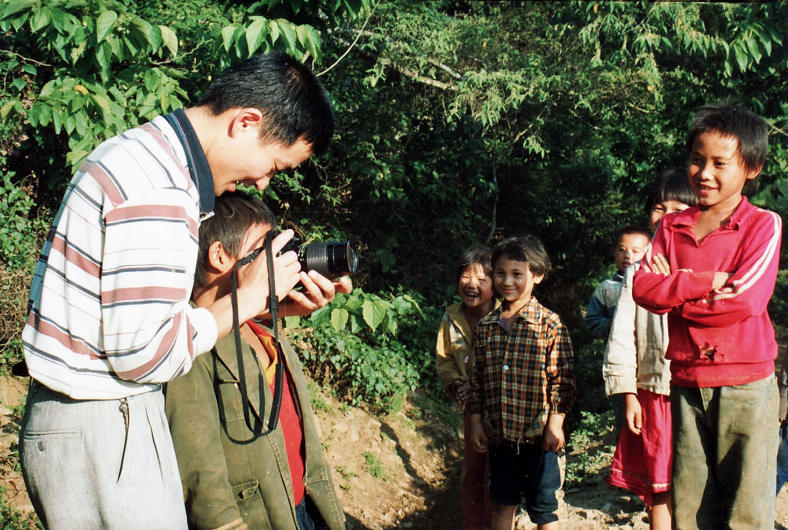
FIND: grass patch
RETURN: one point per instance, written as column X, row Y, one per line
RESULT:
column 13, row 519
column 316, row 398
column 374, row 466
column 346, row 476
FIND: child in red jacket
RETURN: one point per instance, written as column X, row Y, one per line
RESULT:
column 713, row 268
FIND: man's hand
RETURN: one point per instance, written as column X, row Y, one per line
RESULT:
column 633, row 413
column 553, row 436
column 318, row 291
column 478, row 437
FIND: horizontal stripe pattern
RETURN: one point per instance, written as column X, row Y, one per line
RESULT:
column 109, row 314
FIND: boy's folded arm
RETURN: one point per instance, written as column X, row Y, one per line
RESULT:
column 659, row 293
column 749, row 288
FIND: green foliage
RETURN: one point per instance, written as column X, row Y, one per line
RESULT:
column 13, row 519
column 374, row 466
column 369, row 348
column 591, row 447
column 18, row 229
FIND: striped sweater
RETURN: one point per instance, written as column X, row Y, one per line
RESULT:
column 109, row 306
column 717, row 337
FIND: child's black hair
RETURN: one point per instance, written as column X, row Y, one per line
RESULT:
column 475, row 255
column 671, row 185
column 525, row 248
column 233, row 214
column 727, row 119
column 631, row 229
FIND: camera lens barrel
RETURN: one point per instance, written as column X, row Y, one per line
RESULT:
column 331, row 259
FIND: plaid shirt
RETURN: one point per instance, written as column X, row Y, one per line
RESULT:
column 521, row 377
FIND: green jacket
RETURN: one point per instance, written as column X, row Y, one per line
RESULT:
column 226, row 476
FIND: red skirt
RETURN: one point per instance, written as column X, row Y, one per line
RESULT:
column 642, row 462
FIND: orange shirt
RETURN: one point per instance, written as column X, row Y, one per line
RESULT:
column 288, row 415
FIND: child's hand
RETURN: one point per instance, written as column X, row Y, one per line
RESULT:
column 720, row 279
column 660, row 265
column 478, row 437
column 553, row 436
column 633, row 413
column 462, row 389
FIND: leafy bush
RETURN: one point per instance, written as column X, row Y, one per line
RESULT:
column 368, row 348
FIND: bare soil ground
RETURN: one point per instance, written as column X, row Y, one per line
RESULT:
column 399, row 470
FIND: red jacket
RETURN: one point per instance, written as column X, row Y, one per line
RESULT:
column 730, row 324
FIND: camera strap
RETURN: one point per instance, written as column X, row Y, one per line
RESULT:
column 273, row 306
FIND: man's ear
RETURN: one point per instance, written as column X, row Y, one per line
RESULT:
column 247, row 119
column 219, row 260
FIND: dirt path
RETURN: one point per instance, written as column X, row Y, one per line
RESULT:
column 399, row 470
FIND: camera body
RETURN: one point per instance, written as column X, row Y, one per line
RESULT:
column 329, row 258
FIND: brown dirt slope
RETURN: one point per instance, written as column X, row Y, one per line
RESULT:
column 398, row 470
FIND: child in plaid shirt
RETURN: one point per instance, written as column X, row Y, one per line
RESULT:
column 521, row 388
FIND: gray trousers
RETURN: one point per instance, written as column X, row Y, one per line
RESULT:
column 100, row 463
column 725, row 455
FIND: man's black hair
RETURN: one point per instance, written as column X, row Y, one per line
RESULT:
column 291, row 98
column 525, row 248
column 748, row 128
column 671, row 185
column 475, row 255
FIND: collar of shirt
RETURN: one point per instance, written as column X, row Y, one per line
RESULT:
column 686, row 219
column 195, row 157
column 530, row 312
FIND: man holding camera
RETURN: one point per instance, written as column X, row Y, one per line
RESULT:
column 110, row 319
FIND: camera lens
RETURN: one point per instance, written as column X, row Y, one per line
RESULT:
column 330, row 259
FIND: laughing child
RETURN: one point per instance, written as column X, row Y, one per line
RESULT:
column 521, row 388
column 454, row 361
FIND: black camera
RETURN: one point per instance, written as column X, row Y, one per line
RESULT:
column 329, row 258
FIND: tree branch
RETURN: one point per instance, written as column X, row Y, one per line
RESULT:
column 358, row 36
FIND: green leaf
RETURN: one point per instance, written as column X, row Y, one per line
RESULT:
column 254, row 34
column 19, row 84
column 40, row 18
column 288, row 32
column 170, row 39
column 339, row 318
column 741, row 56
column 6, row 109
column 104, row 24
column 310, row 38
column 227, row 36
column 48, row 89
column 373, row 313
column 273, row 31
column 15, row 6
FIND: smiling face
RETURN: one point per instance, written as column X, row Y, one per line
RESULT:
column 475, row 286
column 716, row 171
column 255, row 164
column 630, row 249
column 514, row 281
